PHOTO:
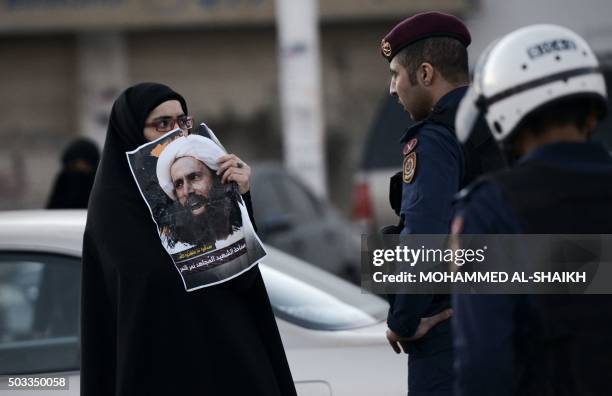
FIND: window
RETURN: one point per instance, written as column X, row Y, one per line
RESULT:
column 297, row 199
column 382, row 148
column 39, row 313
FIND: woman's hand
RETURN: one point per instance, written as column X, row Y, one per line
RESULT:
column 231, row 168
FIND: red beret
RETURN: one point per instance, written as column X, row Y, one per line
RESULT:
column 420, row 26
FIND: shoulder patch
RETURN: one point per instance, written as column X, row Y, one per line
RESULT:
column 410, row 146
column 409, row 168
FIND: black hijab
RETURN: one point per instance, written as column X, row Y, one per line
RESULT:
column 125, row 131
column 73, row 184
column 81, row 149
column 132, row 108
column 141, row 332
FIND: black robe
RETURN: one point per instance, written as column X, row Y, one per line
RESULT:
column 72, row 186
column 141, row 332
column 71, row 190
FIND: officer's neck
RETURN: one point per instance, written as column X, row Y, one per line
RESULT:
column 527, row 141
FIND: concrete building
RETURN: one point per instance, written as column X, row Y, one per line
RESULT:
column 65, row 61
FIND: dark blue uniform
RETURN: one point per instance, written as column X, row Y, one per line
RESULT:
column 435, row 176
column 491, row 331
column 427, row 198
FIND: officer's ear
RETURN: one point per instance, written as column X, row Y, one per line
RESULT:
column 590, row 123
column 425, row 74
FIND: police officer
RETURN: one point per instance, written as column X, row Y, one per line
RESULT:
column 429, row 76
column 542, row 92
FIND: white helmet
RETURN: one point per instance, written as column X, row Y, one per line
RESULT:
column 524, row 70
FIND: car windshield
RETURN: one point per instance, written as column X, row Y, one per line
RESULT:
column 309, row 297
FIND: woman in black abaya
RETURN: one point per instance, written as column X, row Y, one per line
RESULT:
column 141, row 332
column 74, row 182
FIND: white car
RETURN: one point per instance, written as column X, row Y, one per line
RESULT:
column 332, row 332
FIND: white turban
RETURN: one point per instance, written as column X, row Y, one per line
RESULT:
column 196, row 146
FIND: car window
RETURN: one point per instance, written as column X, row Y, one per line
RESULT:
column 280, row 201
column 297, row 200
column 266, row 201
column 39, row 313
column 382, row 148
column 309, row 297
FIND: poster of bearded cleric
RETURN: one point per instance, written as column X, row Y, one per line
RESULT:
column 202, row 223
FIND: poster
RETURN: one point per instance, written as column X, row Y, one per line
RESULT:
column 202, row 223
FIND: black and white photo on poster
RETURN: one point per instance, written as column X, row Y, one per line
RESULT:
column 202, row 223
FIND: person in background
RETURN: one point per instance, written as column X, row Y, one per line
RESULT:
column 70, row 190
column 75, row 180
column 542, row 93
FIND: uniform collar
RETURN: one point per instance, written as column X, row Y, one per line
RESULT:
column 451, row 99
column 411, row 131
column 569, row 153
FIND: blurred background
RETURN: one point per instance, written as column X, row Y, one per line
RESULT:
column 65, row 61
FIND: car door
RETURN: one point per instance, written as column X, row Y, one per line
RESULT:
column 39, row 322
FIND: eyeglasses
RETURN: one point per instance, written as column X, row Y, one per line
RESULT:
column 166, row 124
